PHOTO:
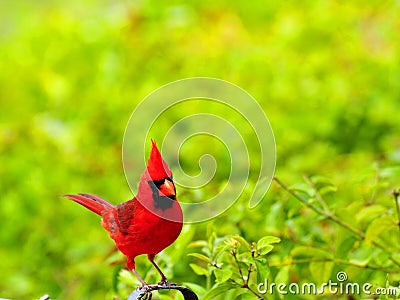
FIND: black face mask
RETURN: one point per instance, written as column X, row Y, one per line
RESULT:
column 161, row 202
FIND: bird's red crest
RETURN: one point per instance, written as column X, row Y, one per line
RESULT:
column 157, row 168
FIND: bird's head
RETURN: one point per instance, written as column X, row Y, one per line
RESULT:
column 156, row 182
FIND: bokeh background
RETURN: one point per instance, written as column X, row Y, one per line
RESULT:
column 327, row 74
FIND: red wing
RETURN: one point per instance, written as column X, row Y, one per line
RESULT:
column 125, row 213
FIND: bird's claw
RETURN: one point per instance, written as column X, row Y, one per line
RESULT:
column 165, row 283
column 147, row 289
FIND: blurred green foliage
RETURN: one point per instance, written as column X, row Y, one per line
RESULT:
column 326, row 73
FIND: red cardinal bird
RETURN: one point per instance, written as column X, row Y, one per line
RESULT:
column 149, row 222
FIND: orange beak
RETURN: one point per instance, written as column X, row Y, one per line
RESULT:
column 167, row 189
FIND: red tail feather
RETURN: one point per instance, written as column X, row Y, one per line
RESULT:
column 92, row 202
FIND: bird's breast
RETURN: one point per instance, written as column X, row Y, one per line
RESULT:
column 151, row 232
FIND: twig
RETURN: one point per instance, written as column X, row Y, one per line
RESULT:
column 317, row 194
column 254, row 292
column 330, row 215
column 249, row 270
column 248, row 275
column 245, row 281
column 396, row 194
column 237, row 263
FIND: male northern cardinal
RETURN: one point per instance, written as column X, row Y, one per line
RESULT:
column 149, row 222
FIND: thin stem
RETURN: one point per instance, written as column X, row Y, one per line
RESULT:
column 254, row 292
column 317, row 194
column 330, row 215
column 396, row 194
column 208, row 281
column 237, row 263
column 246, row 285
column 245, row 281
column 248, row 274
column 249, row 270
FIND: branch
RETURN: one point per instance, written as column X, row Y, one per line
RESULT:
column 145, row 292
column 396, row 194
column 245, row 282
column 331, row 216
column 237, row 263
column 327, row 214
column 317, row 194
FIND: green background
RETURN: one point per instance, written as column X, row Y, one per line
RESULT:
column 327, row 74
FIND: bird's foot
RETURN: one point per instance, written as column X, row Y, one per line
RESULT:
column 164, row 282
column 147, row 289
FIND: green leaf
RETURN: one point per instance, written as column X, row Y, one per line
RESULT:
column 390, row 172
column 362, row 255
column 245, row 257
column 276, row 217
column 345, row 246
column 198, row 289
column 265, row 250
column 200, row 256
column 199, row 270
column 199, row 244
column 267, row 240
column 321, row 271
column 303, row 251
column 263, row 270
column 127, row 277
column 211, row 240
column 222, row 275
column 219, row 289
column 115, row 278
column 283, row 275
column 367, row 214
column 319, row 180
column 264, row 244
column 323, row 185
column 303, row 188
column 382, row 259
column 245, row 296
column 219, row 250
column 377, row 226
column 241, row 241
column 329, row 189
